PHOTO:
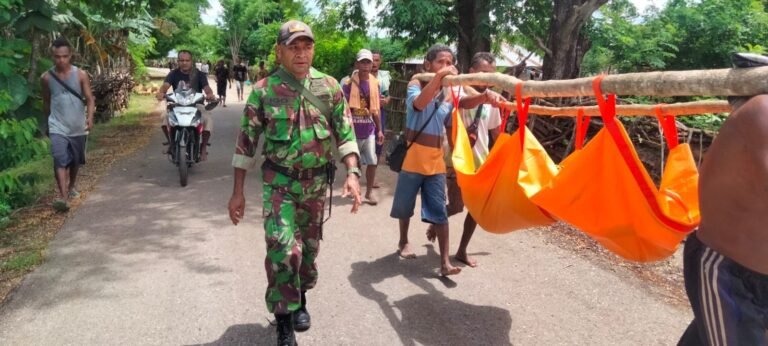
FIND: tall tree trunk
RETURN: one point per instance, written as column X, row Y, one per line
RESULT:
column 33, row 57
column 474, row 30
column 567, row 45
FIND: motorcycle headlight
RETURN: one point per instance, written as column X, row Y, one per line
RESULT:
column 184, row 98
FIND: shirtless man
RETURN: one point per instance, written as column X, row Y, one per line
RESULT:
column 726, row 259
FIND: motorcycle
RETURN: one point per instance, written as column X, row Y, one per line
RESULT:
column 185, row 121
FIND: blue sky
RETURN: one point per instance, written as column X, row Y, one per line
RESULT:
column 214, row 11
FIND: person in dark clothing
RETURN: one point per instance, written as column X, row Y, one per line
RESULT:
column 196, row 80
column 222, row 76
column 241, row 75
column 262, row 73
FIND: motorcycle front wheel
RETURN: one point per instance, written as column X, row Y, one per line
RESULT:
column 181, row 154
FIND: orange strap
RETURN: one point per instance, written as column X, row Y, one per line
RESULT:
column 608, row 113
column 522, row 111
column 582, row 124
column 506, row 112
column 668, row 127
column 454, row 122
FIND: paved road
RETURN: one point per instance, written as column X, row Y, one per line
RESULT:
column 146, row 262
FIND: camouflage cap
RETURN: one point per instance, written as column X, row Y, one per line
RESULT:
column 292, row 30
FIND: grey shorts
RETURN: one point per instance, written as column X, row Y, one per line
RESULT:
column 367, row 148
column 67, row 151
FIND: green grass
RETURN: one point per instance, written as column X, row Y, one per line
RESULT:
column 137, row 107
column 22, row 261
column 39, row 174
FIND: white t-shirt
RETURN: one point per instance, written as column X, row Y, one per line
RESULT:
column 490, row 118
column 384, row 81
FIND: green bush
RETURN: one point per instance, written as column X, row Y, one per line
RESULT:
column 20, row 164
column 19, row 142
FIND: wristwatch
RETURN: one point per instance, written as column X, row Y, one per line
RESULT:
column 354, row 170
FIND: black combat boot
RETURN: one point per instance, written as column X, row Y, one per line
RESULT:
column 285, row 335
column 301, row 319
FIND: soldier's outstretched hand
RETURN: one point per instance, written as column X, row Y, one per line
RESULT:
column 352, row 189
column 236, row 208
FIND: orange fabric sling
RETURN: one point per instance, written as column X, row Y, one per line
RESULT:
column 603, row 190
column 497, row 193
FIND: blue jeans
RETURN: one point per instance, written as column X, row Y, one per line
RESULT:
column 432, row 197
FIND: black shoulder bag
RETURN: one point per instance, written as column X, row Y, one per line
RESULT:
column 399, row 148
column 66, row 86
column 472, row 129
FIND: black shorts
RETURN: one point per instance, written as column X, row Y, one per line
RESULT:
column 221, row 88
column 729, row 301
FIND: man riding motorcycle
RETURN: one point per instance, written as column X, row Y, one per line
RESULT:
column 198, row 81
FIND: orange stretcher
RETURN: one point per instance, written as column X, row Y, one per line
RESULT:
column 604, row 190
column 496, row 194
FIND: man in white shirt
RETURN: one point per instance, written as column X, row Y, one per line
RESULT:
column 481, row 122
column 384, row 78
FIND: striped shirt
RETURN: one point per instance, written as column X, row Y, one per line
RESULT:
column 426, row 154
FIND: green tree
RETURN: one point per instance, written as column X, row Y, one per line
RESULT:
column 625, row 42
column 250, row 26
column 554, row 27
column 684, row 35
column 175, row 24
column 709, row 31
column 335, row 49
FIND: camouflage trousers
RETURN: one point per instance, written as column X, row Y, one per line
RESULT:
column 293, row 215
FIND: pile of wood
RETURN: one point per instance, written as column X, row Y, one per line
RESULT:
column 147, row 89
column 112, row 90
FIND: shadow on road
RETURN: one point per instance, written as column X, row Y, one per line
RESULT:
column 245, row 334
column 430, row 318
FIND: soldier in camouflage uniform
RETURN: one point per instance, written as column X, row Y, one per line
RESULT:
column 297, row 151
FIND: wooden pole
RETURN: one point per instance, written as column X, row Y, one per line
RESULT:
column 676, row 109
column 723, row 82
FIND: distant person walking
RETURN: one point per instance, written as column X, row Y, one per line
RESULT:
column 362, row 93
column 69, row 104
column 221, row 74
column 384, row 79
column 262, row 73
column 206, row 67
column 241, row 75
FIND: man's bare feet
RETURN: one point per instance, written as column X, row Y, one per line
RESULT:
column 447, row 270
column 404, row 250
column 463, row 258
column 431, row 233
column 370, row 200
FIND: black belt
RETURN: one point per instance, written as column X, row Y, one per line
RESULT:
column 297, row 174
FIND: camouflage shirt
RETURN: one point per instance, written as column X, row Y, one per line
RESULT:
column 296, row 134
